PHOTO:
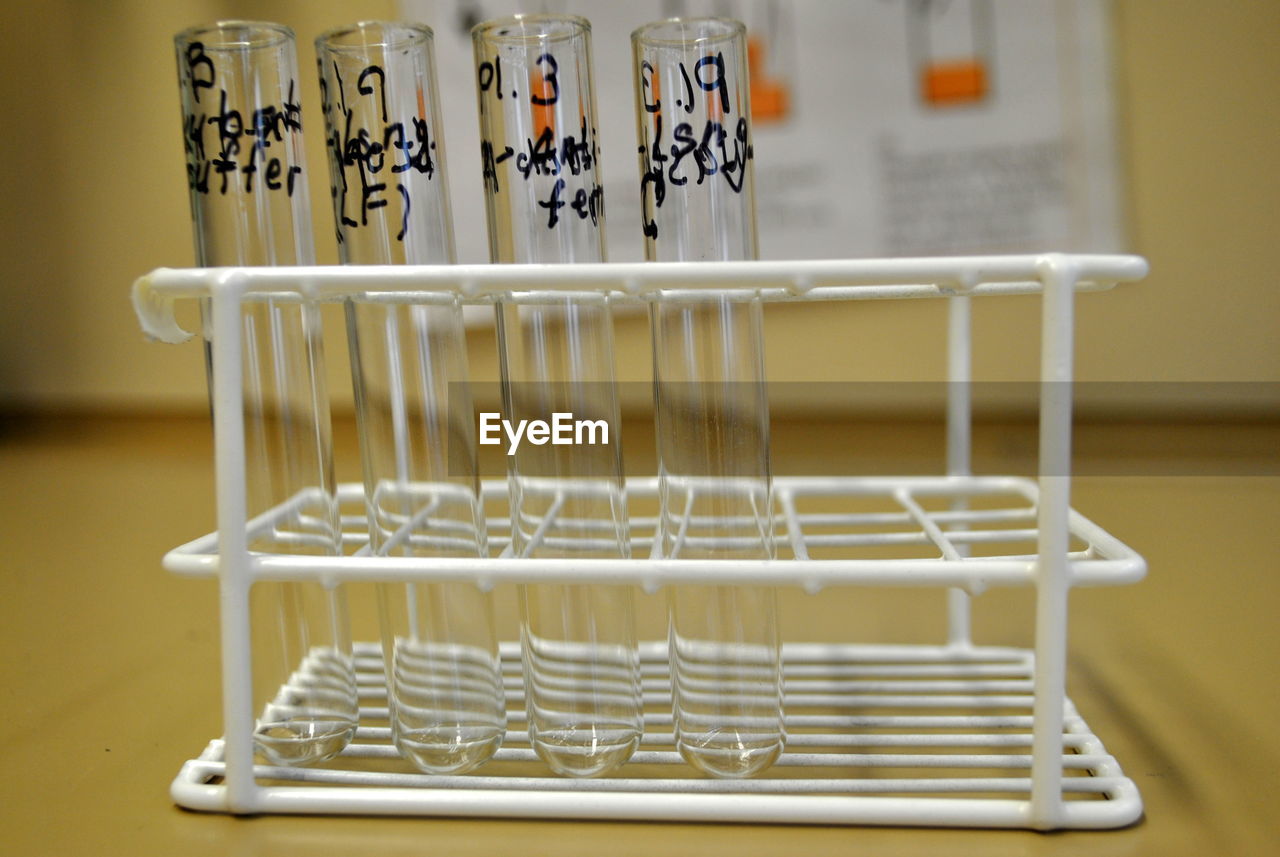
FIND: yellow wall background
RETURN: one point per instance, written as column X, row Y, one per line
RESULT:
column 94, row 195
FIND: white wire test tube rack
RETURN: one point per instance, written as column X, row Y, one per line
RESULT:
column 952, row 734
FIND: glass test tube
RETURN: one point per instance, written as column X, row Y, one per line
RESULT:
column 712, row 418
column 413, row 399
column 246, row 173
column 545, row 204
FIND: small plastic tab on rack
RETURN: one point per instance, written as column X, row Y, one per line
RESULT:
column 155, row 312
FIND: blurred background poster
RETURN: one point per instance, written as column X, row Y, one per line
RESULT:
column 886, row 127
column 883, row 128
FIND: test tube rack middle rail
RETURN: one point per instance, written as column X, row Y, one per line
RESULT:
column 953, row 734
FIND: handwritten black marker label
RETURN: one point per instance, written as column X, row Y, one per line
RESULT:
column 371, row 160
column 548, row 156
column 246, row 153
column 721, row 148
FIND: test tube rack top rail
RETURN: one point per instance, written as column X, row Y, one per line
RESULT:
column 952, row 734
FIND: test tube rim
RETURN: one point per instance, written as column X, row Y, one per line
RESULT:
column 396, row 35
column 732, row 29
column 271, row 34
column 574, row 27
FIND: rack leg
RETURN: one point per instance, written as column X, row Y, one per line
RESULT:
column 1057, row 323
column 959, row 443
column 233, row 569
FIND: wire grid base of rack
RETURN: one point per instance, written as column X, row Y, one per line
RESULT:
column 877, row 734
column 921, row 735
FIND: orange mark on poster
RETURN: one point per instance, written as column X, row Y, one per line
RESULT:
column 956, row 82
column 544, row 115
column 770, row 96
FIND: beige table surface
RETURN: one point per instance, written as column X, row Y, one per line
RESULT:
column 110, row 674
